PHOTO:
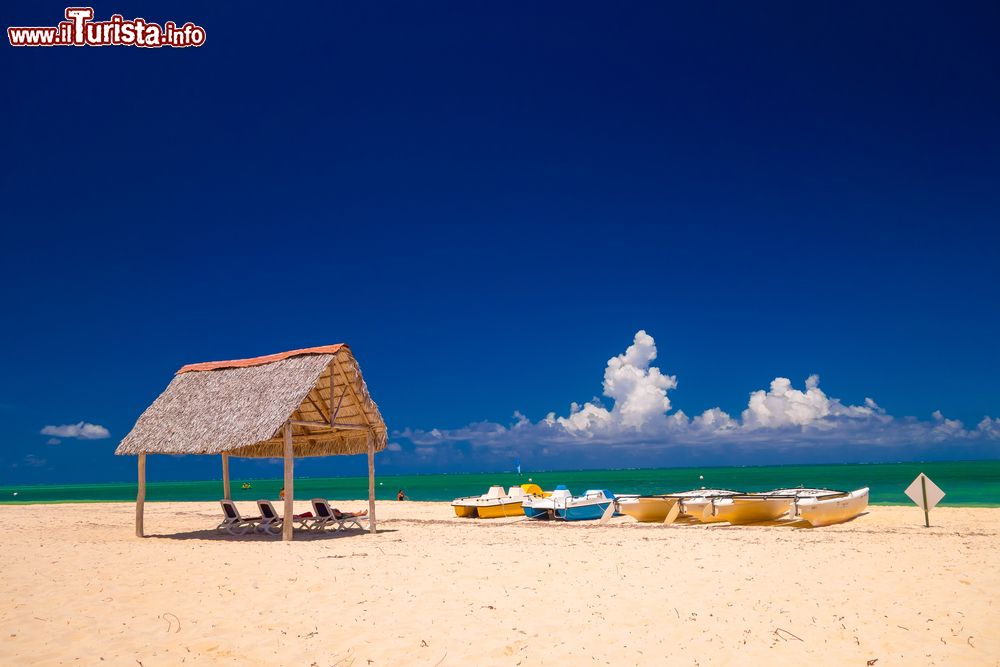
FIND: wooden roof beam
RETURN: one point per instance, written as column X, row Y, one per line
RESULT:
column 316, row 406
column 354, row 394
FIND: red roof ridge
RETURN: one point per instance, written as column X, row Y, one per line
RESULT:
column 259, row 361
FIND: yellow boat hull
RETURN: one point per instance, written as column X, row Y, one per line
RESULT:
column 500, row 511
column 738, row 510
column 743, row 510
column 647, row 510
column 495, row 504
column 700, row 509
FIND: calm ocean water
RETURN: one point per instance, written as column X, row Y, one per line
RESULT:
column 966, row 483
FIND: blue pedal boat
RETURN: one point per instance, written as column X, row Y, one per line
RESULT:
column 564, row 506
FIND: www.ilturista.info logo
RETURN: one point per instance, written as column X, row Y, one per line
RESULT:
column 79, row 29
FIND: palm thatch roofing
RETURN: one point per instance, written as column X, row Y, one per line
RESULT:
column 240, row 408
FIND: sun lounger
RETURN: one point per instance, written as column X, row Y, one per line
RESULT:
column 271, row 521
column 233, row 523
column 325, row 516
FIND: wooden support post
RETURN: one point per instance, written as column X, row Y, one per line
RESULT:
column 371, row 481
column 140, row 499
column 923, row 491
column 286, row 525
column 226, row 491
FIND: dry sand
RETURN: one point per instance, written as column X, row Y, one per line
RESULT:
column 79, row 588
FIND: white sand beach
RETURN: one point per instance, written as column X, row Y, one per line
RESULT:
column 428, row 589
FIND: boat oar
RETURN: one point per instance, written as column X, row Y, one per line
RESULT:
column 608, row 513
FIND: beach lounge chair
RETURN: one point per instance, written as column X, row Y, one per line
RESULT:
column 271, row 521
column 232, row 522
column 325, row 516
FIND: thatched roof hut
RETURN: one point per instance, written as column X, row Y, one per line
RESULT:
column 309, row 402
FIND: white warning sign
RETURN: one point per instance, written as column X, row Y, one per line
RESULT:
column 925, row 493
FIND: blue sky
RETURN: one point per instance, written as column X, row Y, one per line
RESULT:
column 488, row 203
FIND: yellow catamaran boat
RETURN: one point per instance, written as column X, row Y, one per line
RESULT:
column 647, row 509
column 819, row 507
column 737, row 509
column 823, row 507
column 697, row 499
column 495, row 504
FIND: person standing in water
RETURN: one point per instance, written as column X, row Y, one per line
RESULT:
column 401, row 495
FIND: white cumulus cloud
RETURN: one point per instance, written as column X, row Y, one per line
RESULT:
column 81, row 430
column 638, row 391
column 989, row 427
column 639, row 410
column 783, row 405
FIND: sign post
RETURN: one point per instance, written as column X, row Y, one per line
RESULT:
column 926, row 494
column 923, row 493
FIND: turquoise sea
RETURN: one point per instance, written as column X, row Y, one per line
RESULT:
column 966, row 483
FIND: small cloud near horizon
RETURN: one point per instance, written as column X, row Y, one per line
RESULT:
column 33, row 461
column 81, row 431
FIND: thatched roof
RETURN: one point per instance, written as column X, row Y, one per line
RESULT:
column 240, row 407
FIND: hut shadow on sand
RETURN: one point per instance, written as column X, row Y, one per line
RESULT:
column 209, row 535
column 308, row 402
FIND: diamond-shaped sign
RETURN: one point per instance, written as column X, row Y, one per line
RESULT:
column 923, row 485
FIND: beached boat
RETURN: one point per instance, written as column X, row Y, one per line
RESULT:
column 833, row 507
column 495, row 504
column 563, row 505
column 647, row 509
column 543, row 506
column 694, row 501
column 591, row 505
column 738, row 509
